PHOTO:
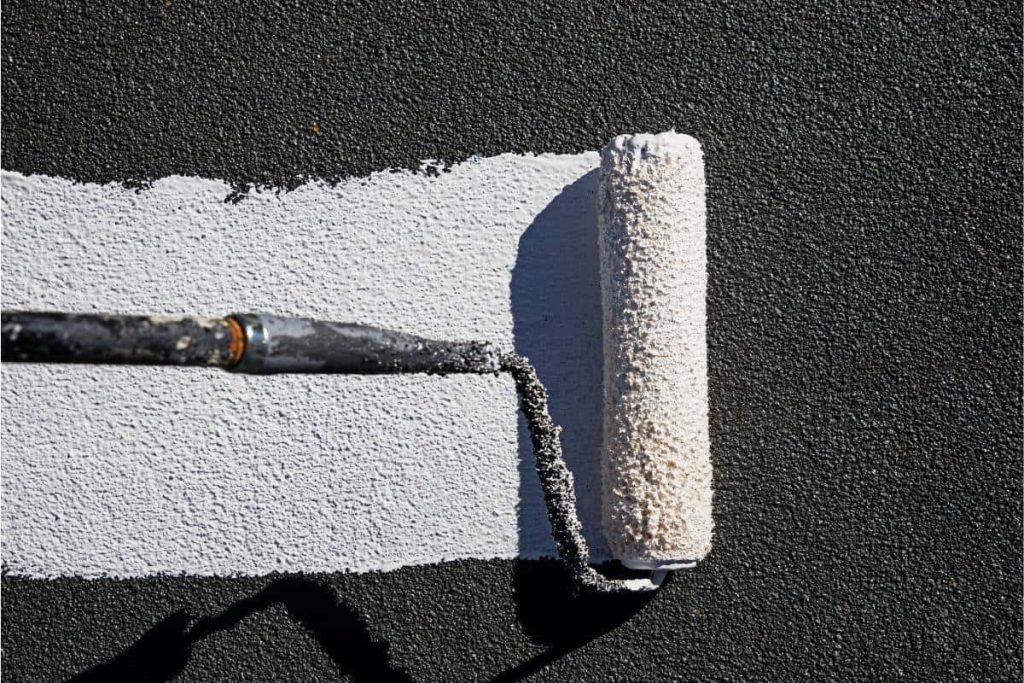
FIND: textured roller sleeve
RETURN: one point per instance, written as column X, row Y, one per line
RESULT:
column 656, row 462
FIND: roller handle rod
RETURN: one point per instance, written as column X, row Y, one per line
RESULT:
column 118, row 339
column 250, row 343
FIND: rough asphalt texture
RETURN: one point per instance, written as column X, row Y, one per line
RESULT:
column 864, row 244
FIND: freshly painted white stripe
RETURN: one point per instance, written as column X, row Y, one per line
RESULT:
column 135, row 471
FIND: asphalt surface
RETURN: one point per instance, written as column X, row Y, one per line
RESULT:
column 864, row 243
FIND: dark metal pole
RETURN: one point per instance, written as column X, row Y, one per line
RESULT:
column 252, row 343
column 119, row 339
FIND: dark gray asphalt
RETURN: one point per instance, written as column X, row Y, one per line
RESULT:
column 864, row 192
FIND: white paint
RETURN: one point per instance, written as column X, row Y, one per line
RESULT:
column 137, row 471
column 657, row 454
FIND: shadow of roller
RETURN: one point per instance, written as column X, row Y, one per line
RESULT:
column 555, row 295
column 551, row 615
column 162, row 653
column 557, row 323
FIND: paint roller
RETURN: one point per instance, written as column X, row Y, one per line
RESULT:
column 656, row 467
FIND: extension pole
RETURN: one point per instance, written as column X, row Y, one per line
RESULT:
column 252, row 343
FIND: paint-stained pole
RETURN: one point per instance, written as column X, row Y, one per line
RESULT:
column 120, row 339
column 252, row 343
